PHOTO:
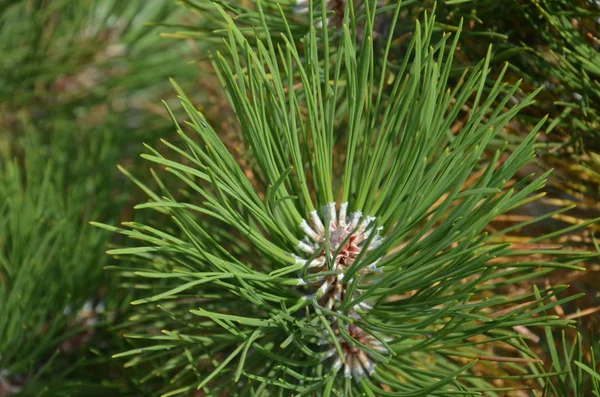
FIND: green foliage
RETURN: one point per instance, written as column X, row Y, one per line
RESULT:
column 85, row 65
column 242, row 283
column 76, row 78
column 553, row 43
column 578, row 376
column 550, row 43
column 50, row 260
column 355, row 261
column 209, row 29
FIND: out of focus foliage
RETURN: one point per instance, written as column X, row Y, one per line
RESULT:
column 79, row 84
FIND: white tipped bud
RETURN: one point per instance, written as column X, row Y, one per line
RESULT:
column 299, row 261
column 375, row 242
column 331, row 212
column 318, row 262
column 357, row 369
column 354, row 218
column 348, row 234
column 366, row 363
column 365, row 223
column 343, row 210
column 87, row 307
column 337, row 364
column 323, row 288
column 371, row 369
column 302, row 246
column 373, row 267
column 301, row 7
column 314, row 280
column 330, row 302
column 364, row 360
column 347, row 367
column 309, row 231
column 339, row 288
column 328, row 353
column 377, row 346
column 317, row 224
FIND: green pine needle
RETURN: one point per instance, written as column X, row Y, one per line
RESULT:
column 356, row 261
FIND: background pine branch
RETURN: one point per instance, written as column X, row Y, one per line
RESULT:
column 78, row 80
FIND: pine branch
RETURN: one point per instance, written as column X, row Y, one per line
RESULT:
column 362, row 265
